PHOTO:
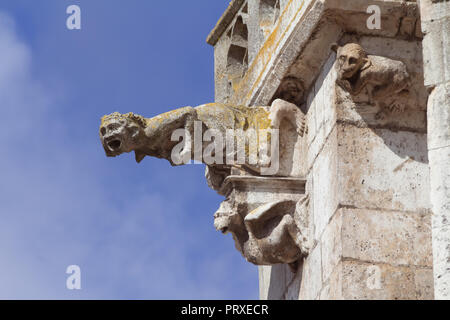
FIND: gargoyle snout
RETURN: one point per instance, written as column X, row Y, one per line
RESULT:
column 223, row 217
column 111, row 141
column 348, row 71
column 222, row 224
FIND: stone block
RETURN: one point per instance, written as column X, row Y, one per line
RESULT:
column 264, row 281
column 424, row 284
column 396, row 238
column 365, row 281
column 278, row 282
column 272, row 282
column 439, row 117
column 311, row 118
column 327, row 89
column 331, row 242
column 325, row 185
column 434, row 9
column 436, row 56
column 293, row 287
column 311, row 282
column 440, row 186
column 383, row 169
column 332, row 290
column 441, row 259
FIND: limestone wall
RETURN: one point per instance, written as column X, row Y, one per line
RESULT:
column 367, row 178
column 369, row 189
column 436, row 27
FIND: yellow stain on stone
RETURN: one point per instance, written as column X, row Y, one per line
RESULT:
column 237, row 117
column 251, row 120
column 266, row 52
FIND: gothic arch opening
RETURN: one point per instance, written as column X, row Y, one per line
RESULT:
column 237, row 60
column 239, row 33
column 269, row 11
column 237, row 56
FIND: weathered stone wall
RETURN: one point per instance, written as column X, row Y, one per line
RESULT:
column 435, row 16
column 263, row 43
column 344, row 211
column 369, row 202
column 367, row 178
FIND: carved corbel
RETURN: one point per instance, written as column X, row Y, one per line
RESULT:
column 271, row 231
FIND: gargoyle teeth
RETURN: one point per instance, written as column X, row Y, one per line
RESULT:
column 114, row 145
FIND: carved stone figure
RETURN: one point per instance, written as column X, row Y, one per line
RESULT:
column 385, row 80
column 291, row 90
column 268, row 234
column 121, row 133
column 281, row 110
column 274, row 229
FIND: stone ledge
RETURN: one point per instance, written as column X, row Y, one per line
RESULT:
column 286, row 184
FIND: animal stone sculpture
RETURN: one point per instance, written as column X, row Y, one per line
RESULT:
column 153, row 137
column 122, row 133
column 275, row 232
column 386, row 80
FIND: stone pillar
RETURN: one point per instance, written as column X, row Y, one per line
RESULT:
column 435, row 16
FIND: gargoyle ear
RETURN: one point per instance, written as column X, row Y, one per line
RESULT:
column 334, row 47
column 139, row 156
column 366, row 64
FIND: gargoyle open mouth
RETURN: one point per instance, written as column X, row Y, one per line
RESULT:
column 114, row 145
column 224, row 230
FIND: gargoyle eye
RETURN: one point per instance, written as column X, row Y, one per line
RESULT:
column 102, row 131
column 112, row 126
column 352, row 60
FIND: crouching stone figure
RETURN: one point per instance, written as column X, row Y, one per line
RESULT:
column 275, row 232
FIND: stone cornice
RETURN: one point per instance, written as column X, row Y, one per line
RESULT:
column 224, row 21
column 300, row 40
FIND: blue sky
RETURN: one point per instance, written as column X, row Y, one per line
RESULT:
column 137, row 231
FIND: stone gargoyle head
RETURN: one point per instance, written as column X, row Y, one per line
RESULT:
column 120, row 133
column 226, row 219
column 351, row 58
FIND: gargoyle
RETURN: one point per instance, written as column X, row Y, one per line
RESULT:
column 121, row 133
column 153, row 136
column 385, row 79
column 291, row 90
column 275, row 232
column 272, row 233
